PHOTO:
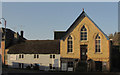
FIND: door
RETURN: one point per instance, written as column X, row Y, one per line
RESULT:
column 83, row 51
column 64, row 66
column 98, row 65
column 21, row 65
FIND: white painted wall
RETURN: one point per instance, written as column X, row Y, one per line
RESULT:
column 44, row 60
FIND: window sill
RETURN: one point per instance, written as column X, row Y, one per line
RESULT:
column 70, row 53
column 83, row 40
column 98, row 53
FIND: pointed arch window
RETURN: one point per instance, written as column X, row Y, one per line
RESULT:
column 83, row 33
column 70, row 44
column 97, row 43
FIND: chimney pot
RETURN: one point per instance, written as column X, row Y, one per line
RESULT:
column 21, row 33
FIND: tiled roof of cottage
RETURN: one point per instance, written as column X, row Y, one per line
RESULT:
column 36, row 47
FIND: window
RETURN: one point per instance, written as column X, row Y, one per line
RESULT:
column 69, row 44
column 97, row 43
column 70, row 64
column 52, row 56
column 21, row 65
column 83, row 33
column 50, row 66
column 21, row 56
column 36, row 56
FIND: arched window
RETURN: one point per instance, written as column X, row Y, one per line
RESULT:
column 83, row 33
column 69, row 44
column 97, row 43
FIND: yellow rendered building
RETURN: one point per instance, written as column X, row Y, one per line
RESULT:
column 84, row 46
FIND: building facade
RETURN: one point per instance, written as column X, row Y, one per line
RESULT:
column 84, row 46
column 7, row 40
column 115, row 51
column 44, row 61
column 44, row 53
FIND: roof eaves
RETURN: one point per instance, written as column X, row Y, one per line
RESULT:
column 82, row 15
column 97, row 26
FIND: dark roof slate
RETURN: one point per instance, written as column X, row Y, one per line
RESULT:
column 36, row 47
column 59, row 34
column 10, row 39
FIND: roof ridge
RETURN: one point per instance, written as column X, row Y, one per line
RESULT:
column 79, row 18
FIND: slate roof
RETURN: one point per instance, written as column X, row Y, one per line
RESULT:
column 9, row 37
column 36, row 47
column 78, row 20
column 59, row 34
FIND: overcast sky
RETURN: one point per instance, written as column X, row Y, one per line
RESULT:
column 39, row 20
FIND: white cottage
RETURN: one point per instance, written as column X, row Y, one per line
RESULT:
column 44, row 53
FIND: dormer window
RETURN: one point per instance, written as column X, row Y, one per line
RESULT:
column 83, row 33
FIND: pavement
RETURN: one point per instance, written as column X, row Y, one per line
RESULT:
column 63, row 73
column 7, row 71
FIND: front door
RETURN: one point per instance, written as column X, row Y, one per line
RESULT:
column 98, row 65
column 83, row 51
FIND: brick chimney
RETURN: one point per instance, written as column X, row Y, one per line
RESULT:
column 21, row 33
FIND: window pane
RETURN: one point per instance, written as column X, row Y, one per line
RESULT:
column 97, row 43
column 50, row 66
column 22, row 56
column 50, row 56
column 85, row 38
column 70, row 64
column 81, row 38
column 37, row 56
column 71, row 50
column 19, row 56
column 53, row 56
column 69, row 44
column 34, row 55
column 68, row 50
column 83, row 33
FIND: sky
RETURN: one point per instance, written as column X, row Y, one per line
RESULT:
column 60, row 0
column 118, row 16
column 39, row 20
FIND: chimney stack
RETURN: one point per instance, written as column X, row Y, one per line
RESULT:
column 21, row 33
